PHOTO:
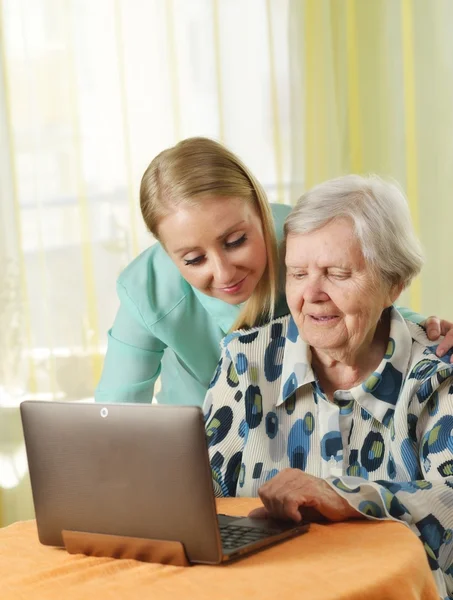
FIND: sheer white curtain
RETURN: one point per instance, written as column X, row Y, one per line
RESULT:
column 90, row 91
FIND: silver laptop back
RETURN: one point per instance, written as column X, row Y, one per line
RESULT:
column 99, row 468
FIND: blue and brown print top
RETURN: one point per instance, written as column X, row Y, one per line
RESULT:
column 386, row 446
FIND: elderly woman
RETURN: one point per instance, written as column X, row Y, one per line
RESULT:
column 342, row 409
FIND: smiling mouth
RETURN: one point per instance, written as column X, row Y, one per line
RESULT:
column 231, row 289
column 323, row 318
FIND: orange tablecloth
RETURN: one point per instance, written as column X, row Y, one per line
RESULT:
column 356, row 560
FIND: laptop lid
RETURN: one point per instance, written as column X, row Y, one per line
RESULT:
column 109, row 469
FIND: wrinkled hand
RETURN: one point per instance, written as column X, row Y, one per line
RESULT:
column 286, row 495
column 436, row 327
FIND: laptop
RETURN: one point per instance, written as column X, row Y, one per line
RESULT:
column 140, row 471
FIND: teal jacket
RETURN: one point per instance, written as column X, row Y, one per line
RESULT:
column 166, row 327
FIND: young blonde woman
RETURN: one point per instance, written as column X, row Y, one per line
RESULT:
column 213, row 269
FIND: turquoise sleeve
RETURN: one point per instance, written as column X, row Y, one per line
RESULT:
column 410, row 315
column 133, row 360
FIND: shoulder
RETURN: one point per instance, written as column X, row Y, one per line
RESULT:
column 280, row 212
column 254, row 342
column 425, row 366
column 422, row 346
column 153, row 283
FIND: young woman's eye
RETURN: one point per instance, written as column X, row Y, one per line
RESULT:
column 237, row 242
column 193, row 261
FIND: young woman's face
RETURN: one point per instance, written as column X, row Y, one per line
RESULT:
column 218, row 247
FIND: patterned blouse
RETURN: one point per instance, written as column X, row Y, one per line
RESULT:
column 386, row 446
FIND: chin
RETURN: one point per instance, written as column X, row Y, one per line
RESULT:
column 323, row 342
column 239, row 299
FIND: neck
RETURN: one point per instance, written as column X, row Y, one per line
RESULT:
column 347, row 367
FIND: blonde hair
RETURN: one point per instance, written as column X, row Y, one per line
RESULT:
column 381, row 220
column 193, row 171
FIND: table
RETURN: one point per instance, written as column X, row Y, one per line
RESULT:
column 358, row 560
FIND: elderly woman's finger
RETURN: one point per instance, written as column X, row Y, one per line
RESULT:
column 259, row 513
column 432, row 326
column 285, row 506
column 274, row 495
column 292, row 504
column 267, row 494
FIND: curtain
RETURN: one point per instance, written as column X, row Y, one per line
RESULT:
column 302, row 90
column 372, row 92
column 90, row 92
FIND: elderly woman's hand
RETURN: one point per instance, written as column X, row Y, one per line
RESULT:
column 436, row 327
column 286, row 495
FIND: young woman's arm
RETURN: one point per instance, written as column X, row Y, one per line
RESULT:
column 132, row 362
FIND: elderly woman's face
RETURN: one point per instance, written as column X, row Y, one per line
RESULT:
column 330, row 290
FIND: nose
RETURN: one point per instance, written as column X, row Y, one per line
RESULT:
column 223, row 270
column 313, row 291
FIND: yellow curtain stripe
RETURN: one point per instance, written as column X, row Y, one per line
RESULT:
column 82, row 199
column 310, row 91
column 354, row 117
column 32, row 381
column 126, row 128
column 317, row 61
column 173, row 61
column 410, row 128
column 278, row 149
column 3, row 67
column 218, row 68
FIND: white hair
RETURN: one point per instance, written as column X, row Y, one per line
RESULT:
column 380, row 216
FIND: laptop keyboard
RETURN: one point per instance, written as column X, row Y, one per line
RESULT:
column 234, row 536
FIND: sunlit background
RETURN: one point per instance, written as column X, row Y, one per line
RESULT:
column 91, row 90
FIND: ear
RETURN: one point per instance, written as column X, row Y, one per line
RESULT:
column 394, row 292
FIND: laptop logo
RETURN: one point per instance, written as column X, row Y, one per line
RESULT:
column 104, row 412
